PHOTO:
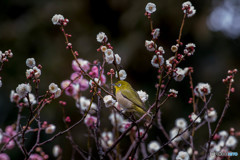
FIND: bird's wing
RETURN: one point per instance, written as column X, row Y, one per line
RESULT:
column 132, row 96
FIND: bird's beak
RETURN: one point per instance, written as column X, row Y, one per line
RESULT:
column 113, row 84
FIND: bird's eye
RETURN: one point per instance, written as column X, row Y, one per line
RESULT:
column 119, row 85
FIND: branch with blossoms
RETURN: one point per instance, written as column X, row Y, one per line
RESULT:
column 92, row 78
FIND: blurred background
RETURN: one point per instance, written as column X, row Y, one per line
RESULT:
column 26, row 28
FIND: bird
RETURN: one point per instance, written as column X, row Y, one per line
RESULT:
column 129, row 99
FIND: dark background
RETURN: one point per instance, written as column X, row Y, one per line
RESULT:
column 26, row 28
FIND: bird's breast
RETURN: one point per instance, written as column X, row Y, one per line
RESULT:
column 124, row 102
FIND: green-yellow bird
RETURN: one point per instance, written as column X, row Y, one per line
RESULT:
column 129, row 99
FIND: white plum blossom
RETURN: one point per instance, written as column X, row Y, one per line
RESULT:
column 211, row 115
column 150, row 8
column 188, row 9
column 182, row 156
column 57, row 18
column 116, row 119
column 173, row 91
column 155, row 33
column 117, row 59
column 153, row 146
column 84, row 104
column 223, row 135
column 106, row 139
column 30, row 62
column 101, row 37
column 181, row 123
column 50, row 129
column 179, row 74
column 231, row 142
column 122, row 74
column 29, row 72
column 150, row 45
column 53, row 88
column 169, row 62
column 109, row 101
column 23, row 89
column 143, row 96
column 174, row 132
column 31, row 99
column 202, row 89
column 56, row 150
column 157, row 61
column 37, row 72
column 189, row 49
column 58, row 93
column 103, row 48
column 96, row 80
column 194, row 116
column 190, row 151
column 109, row 56
column 162, row 157
column 174, row 48
column 14, row 97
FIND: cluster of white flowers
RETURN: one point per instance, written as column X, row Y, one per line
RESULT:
column 193, row 117
column 180, row 125
column 150, row 8
column 109, row 101
column 202, row 89
column 54, row 89
column 23, row 89
column 122, row 75
column 150, row 45
column 4, row 56
column 153, row 146
column 182, row 156
column 189, row 49
column 50, row 129
column 180, row 73
column 223, row 142
column 143, row 96
column 106, row 139
column 83, row 103
column 102, row 37
column 34, row 71
column 188, row 9
column 57, row 19
column 157, row 61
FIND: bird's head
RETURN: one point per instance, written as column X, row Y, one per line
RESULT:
column 121, row 85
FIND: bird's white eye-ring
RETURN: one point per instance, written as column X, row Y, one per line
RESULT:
column 119, row 85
